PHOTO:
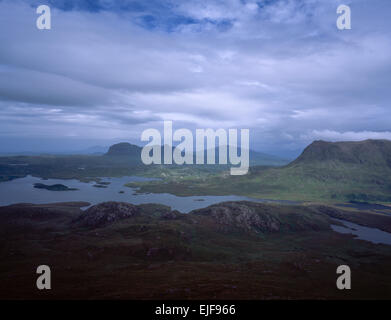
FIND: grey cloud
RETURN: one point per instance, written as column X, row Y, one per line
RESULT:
column 49, row 89
column 282, row 69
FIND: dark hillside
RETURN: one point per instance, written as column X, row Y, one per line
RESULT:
column 369, row 153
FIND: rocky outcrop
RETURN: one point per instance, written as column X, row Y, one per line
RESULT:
column 262, row 218
column 107, row 213
column 242, row 216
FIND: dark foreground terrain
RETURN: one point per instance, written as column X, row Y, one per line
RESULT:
column 234, row 250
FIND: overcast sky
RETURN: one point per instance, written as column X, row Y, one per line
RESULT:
column 109, row 69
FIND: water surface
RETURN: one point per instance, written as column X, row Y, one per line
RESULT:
column 364, row 233
column 22, row 191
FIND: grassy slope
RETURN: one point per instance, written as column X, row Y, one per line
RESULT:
column 302, row 183
column 310, row 182
column 324, row 172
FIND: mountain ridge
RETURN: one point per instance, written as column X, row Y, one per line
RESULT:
column 367, row 152
column 325, row 171
column 256, row 158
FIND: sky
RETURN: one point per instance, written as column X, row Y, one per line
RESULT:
column 107, row 70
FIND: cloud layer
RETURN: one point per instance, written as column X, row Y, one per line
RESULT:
column 109, row 69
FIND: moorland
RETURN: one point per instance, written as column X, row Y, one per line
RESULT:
column 231, row 250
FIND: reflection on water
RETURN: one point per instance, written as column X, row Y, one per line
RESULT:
column 364, row 233
column 22, row 191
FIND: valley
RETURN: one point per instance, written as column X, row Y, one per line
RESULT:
column 325, row 172
column 279, row 232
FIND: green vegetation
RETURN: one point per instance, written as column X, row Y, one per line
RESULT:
column 326, row 172
column 84, row 168
column 121, row 160
column 315, row 182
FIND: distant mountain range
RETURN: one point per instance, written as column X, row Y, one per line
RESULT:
column 325, row 171
column 368, row 153
column 125, row 149
column 94, row 150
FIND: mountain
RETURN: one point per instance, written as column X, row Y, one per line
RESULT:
column 353, row 171
column 256, row 158
column 366, row 153
column 124, row 149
